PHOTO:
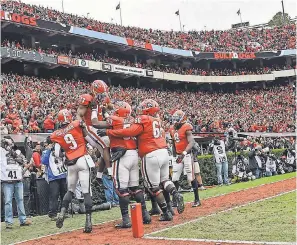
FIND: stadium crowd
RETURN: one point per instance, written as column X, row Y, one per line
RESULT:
column 177, row 69
column 240, row 40
column 30, row 104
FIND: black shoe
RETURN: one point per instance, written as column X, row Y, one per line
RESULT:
column 166, row 217
column 60, row 218
column 196, row 204
column 170, row 208
column 146, row 218
column 54, row 218
column 126, row 223
column 154, row 211
column 88, row 224
column 180, row 203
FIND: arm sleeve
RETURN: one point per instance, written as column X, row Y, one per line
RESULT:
column 133, row 131
column 45, row 157
column 57, row 150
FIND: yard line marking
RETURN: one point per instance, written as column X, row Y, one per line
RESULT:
column 58, row 233
column 148, row 236
column 244, row 189
column 110, row 221
column 222, row 241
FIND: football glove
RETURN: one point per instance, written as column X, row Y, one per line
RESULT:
column 180, row 158
column 101, row 132
column 117, row 153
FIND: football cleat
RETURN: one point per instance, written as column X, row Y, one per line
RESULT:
column 180, row 203
column 88, row 224
column 166, row 217
column 196, row 204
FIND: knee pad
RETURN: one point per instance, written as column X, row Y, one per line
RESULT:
column 155, row 191
column 168, row 186
column 88, row 202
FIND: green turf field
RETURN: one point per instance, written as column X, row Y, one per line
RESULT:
column 43, row 226
column 272, row 220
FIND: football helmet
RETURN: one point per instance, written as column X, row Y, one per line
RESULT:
column 99, row 87
column 148, row 107
column 179, row 117
column 85, row 99
column 64, row 116
column 122, row 109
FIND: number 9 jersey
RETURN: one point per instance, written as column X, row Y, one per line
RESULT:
column 71, row 139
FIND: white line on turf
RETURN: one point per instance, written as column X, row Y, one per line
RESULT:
column 222, row 241
column 110, row 221
column 148, row 236
column 58, row 233
column 248, row 188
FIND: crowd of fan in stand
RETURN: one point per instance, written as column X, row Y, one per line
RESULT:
column 235, row 40
column 30, row 104
column 177, row 69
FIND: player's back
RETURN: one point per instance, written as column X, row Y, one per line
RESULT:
column 151, row 138
column 179, row 137
column 119, row 123
column 71, row 139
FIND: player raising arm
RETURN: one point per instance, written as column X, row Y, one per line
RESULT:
column 72, row 140
column 152, row 149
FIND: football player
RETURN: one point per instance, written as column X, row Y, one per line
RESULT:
column 71, row 139
column 125, row 162
column 101, row 99
column 183, row 142
column 152, row 148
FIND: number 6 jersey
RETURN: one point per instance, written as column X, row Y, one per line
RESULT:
column 71, row 139
column 148, row 131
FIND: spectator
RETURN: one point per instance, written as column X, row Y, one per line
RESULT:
column 12, row 164
column 49, row 124
column 55, row 175
column 218, row 149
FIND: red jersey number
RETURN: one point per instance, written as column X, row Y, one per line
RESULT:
column 69, row 139
column 156, row 129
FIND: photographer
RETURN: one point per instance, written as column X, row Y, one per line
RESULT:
column 55, row 175
column 12, row 163
column 256, row 161
column 218, row 149
column 270, row 163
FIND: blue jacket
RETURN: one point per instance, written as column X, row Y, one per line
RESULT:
column 45, row 161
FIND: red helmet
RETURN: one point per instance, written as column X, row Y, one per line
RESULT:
column 148, row 107
column 99, row 87
column 179, row 117
column 122, row 109
column 64, row 116
column 85, row 99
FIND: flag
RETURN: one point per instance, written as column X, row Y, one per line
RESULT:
column 118, row 6
column 177, row 12
column 238, row 12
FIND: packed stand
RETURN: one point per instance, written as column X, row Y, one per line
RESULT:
column 239, row 40
column 30, row 104
column 162, row 68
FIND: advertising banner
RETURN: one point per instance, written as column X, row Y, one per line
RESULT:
column 27, row 55
column 129, row 70
column 63, row 60
column 106, row 67
column 236, row 55
column 32, row 21
column 83, row 63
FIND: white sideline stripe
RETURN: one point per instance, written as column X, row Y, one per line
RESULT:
column 244, row 189
column 221, row 241
column 110, row 221
column 148, row 236
column 58, row 233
